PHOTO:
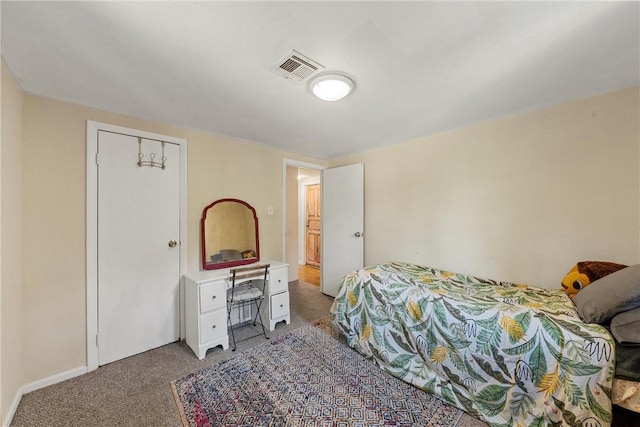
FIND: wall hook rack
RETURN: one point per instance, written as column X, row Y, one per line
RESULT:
column 152, row 156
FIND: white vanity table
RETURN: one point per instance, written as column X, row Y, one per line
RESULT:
column 206, row 307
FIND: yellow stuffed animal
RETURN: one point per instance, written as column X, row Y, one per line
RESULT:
column 586, row 272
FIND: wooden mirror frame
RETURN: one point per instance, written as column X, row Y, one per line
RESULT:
column 226, row 264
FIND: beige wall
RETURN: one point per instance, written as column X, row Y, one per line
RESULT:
column 11, row 368
column 54, row 216
column 519, row 199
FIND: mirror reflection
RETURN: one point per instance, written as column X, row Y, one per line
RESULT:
column 229, row 234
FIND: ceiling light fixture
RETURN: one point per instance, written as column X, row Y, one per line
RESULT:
column 331, row 87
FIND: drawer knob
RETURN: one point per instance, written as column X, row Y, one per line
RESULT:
column 281, row 305
column 214, row 326
column 213, row 297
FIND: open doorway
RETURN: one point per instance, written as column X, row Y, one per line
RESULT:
column 302, row 221
column 309, row 213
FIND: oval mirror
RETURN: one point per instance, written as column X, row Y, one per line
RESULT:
column 229, row 233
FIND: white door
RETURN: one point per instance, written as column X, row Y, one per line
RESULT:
column 342, row 224
column 138, row 262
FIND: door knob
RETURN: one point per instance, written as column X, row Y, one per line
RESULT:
column 172, row 243
column 358, row 234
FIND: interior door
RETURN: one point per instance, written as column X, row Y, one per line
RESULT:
column 138, row 246
column 312, row 221
column 342, row 224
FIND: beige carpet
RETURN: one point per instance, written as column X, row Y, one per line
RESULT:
column 137, row 391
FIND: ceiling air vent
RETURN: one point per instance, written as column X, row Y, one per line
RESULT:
column 297, row 67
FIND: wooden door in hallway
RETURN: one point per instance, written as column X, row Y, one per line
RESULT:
column 312, row 197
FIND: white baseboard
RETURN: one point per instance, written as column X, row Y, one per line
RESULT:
column 36, row 385
column 7, row 421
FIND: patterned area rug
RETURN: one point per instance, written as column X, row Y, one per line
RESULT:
column 308, row 377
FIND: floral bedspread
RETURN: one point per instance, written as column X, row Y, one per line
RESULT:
column 513, row 355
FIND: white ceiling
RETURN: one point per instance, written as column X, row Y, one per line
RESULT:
column 420, row 67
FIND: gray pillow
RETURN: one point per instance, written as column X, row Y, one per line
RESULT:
column 230, row 254
column 626, row 327
column 609, row 295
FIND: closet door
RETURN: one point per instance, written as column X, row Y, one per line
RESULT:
column 138, row 246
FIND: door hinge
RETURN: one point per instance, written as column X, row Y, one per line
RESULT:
column 97, row 345
column 97, row 158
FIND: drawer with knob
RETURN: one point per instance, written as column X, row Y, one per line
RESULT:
column 278, row 280
column 212, row 296
column 213, row 326
column 279, row 305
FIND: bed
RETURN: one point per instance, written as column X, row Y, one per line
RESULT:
column 506, row 353
column 626, row 383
